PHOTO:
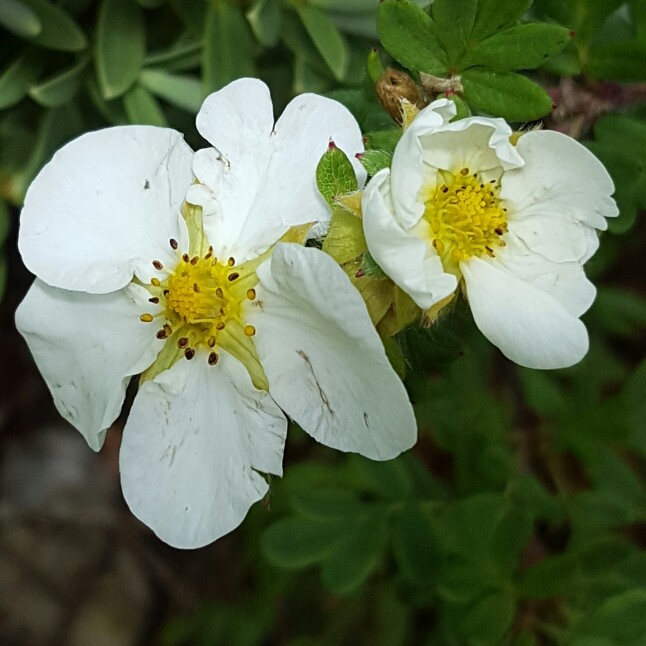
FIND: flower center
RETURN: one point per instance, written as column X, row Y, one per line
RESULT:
column 203, row 304
column 465, row 216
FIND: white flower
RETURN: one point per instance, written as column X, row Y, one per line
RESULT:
column 512, row 224
column 126, row 283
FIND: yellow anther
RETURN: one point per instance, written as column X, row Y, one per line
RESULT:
column 251, row 294
column 146, row 318
column 249, row 330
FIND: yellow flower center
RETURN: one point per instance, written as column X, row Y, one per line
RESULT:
column 465, row 216
column 203, row 303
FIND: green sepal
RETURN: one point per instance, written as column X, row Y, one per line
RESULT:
column 369, row 267
column 374, row 66
column 335, row 174
column 375, row 160
column 345, row 240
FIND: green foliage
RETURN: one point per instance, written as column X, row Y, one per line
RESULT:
column 477, row 44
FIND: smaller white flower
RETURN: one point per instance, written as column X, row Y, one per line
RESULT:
column 229, row 326
column 512, row 224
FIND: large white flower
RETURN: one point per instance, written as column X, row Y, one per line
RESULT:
column 512, row 224
column 227, row 325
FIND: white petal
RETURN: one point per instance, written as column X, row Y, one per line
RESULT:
column 264, row 181
column 105, row 206
column 195, row 440
column 238, row 119
column 325, row 363
column 553, row 236
column 409, row 261
column 303, row 133
column 527, row 324
column 87, row 346
column 562, row 186
column 478, row 143
column 564, row 281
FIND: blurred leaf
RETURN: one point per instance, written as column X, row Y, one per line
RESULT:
column 358, row 554
column 489, row 618
column 335, row 175
column 298, row 542
column 620, row 312
column 112, row 111
column 151, row 4
column 620, row 142
column 264, row 16
column 621, row 619
column 182, row 91
column 192, row 14
column 17, row 77
column 506, row 94
column 636, row 407
column 227, row 46
column 60, row 88
column 454, row 20
column 327, row 39
column 621, row 61
column 59, row 31
column 543, row 392
column 521, row 47
column 391, row 479
column 120, row 46
column 553, row 576
column 5, row 221
column 326, row 504
column 18, row 18
column 409, row 36
column 494, row 16
column 415, row 543
column 142, row 108
column 349, row 6
column 177, row 57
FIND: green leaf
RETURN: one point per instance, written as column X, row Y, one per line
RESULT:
column 551, row 577
column 519, row 48
column 505, row 94
column 328, row 40
column 489, row 618
column 120, row 46
column 17, row 77
column 335, row 175
column 409, row 36
column 227, row 46
column 264, row 16
column 59, row 31
column 326, row 504
column 142, row 108
column 391, row 479
column 621, row 312
column 299, row 542
column 179, row 56
column 5, row 221
column 375, row 160
column 636, row 405
column 18, row 18
column 622, row 619
column 621, row 61
column 345, row 6
column 415, row 544
column 60, row 88
column 454, row 20
column 494, row 16
column 182, row 91
column 358, row 554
